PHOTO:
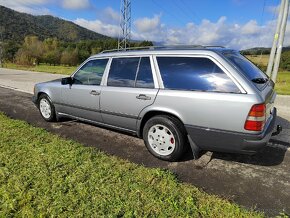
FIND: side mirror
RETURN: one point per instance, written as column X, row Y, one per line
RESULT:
column 67, row 81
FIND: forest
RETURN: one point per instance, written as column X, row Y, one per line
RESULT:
column 52, row 51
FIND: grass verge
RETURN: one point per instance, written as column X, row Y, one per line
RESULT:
column 42, row 174
column 282, row 85
column 43, row 68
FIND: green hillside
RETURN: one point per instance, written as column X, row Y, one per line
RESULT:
column 15, row 26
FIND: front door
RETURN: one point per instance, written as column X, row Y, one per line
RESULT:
column 82, row 98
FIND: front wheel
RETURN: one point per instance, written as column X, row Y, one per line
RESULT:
column 165, row 137
column 46, row 108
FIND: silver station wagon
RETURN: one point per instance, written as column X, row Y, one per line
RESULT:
column 177, row 99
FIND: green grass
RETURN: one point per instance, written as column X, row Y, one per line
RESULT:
column 66, row 70
column 259, row 59
column 44, row 175
column 282, row 85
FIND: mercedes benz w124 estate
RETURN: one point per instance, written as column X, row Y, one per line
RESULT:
column 203, row 98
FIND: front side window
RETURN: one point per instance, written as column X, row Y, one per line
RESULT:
column 190, row 73
column 131, row 72
column 91, row 73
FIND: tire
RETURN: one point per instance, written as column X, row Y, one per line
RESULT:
column 165, row 137
column 46, row 108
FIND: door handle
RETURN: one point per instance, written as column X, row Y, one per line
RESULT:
column 94, row 92
column 143, row 97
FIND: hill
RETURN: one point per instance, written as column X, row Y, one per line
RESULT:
column 261, row 50
column 15, row 26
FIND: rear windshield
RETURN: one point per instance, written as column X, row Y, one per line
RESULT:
column 245, row 66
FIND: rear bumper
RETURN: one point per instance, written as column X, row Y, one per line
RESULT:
column 233, row 142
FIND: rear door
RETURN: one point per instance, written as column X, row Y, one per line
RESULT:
column 130, row 88
column 82, row 98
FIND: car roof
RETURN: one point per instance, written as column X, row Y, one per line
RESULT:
column 163, row 50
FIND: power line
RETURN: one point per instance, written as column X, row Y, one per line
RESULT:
column 261, row 21
column 168, row 12
column 183, row 12
column 190, row 11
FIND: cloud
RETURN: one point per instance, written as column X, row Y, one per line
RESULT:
column 107, row 23
column 250, row 28
column 75, row 4
column 147, row 24
column 109, row 15
column 27, row 6
column 99, row 27
column 220, row 32
column 22, row 2
column 273, row 9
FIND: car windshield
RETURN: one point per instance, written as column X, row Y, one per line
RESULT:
column 253, row 73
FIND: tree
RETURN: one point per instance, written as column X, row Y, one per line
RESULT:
column 69, row 57
column 9, row 51
column 51, row 51
column 31, row 51
column 285, row 60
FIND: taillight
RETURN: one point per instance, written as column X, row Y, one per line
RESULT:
column 256, row 118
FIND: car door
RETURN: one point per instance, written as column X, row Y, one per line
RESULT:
column 82, row 98
column 130, row 88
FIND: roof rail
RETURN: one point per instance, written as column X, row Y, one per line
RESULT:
column 165, row 47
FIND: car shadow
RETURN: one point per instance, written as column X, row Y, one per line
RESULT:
column 271, row 155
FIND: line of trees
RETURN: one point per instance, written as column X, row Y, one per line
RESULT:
column 55, row 52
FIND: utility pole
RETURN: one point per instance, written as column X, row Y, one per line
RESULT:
column 276, row 37
column 275, row 54
column 280, row 41
column 125, row 25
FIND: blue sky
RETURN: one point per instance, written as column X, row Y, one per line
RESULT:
column 233, row 23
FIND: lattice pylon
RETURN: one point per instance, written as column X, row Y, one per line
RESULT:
column 125, row 25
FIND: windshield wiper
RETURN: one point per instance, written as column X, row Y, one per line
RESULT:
column 260, row 80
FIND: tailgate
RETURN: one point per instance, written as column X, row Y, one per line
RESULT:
column 269, row 96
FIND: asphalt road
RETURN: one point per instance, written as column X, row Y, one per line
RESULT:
column 261, row 181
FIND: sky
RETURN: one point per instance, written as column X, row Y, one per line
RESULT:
column 238, row 24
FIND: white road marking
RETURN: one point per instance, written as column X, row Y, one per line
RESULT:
column 13, row 88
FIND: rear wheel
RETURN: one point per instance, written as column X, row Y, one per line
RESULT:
column 46, row 108
column 165, row 137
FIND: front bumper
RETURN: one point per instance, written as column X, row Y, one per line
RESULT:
column 232, row 142
column 34, row 100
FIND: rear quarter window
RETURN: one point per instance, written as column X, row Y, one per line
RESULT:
column 248, row 69
column 194, row 73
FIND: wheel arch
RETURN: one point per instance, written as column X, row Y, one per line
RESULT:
column 152, row 113
column 42, row 93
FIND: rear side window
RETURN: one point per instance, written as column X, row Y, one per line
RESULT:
column 190, row 73
column 123, row 72
column 131, row 72
column 144, row 75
